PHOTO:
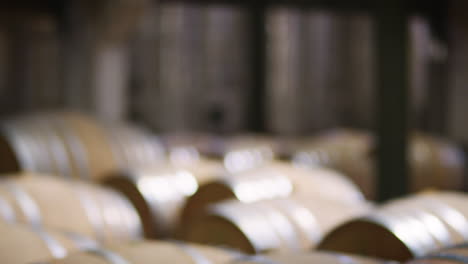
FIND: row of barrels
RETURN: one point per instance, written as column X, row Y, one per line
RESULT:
column 400, row 230
column 434, row 162
column 76, row 145
column 246, row 200
column 405, row 228
column 170, row 200
column 106, row 216
column 131, row 161
column 21, row 245
column 163, row 202
column 285, row 224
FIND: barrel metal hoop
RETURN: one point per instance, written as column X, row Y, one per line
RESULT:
column 26, row 203
column 257, row 259
column 78, row 150
column 447, row 256
column 91, row 209
column 6, row 211
column 109, row 256
column 60, row 163
column 82, row 242
column 343, row 259
column 462, row 245
column 197, row 257
column 55, row 248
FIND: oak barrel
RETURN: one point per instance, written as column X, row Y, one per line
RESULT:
column 74, row 206
column 275, row 180
column 434, row 162
column 404, row 228
column 74, row 145
column 295, row 223
column 159, row 193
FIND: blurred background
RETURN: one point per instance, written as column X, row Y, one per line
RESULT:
column 227, row 66
column 291, row 69
column 261, row 126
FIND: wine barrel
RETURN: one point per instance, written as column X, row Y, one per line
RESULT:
column 280, row 224
column 71, row 141
column 206, row 144
column 248, row 151
column 74, row 145
column 22, row 244
column 65, row 144
column 347, row 151
column 134, row 146
column 100, row 157
column 404, row 228
column 69, row 206
column 150, row 253
column 239, row 153
column 434, row 162
column 159, row 193
column 22, row 148
column 453, row 255
column 275, row 180
column 308, row 258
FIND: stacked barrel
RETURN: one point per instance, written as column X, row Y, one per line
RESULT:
column 405, row 228
column 81, row 190
column 433, row 162
column 43, row 217
column 276, row 206
column 74, row 145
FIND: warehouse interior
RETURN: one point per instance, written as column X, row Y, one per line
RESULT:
column 233, row 132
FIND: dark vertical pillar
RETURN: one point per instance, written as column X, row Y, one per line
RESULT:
column 437, row 112
column 392, row 98
column 258, row 58
column 13, row 96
